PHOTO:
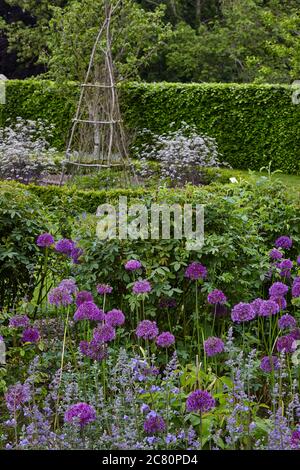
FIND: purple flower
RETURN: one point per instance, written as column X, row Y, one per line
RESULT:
column 104, row 334
column 147, row 329
column 285, row 267
column 69, row 285
column 280, row 301
column 268, row 308
column 141, row 287
column 296, row 287
column 17, row 395
column 284, row 242
column 80, row 414
column 216, row 297
column 104, row 289
column 200, row 400
column 275, row 254
column 295, row 334
column 268, row 364
column 45, row 240
column 154, row 424
column 287, row 321
column 196, row 271
column 213, row 346
column 298, row 260
column 242, row 312
column 76, row 254
column 165, row 339
column 60, row 297
column 220, row 310
column 256, row 305
column 115, row 318
column 65, row 246
column 19, row 321
column 83, row 296
column 278, row 289
column 95, row 350
column 295, row 440
column 89, row 311
column 31, row 335
column 133, row 265
column 285, row 344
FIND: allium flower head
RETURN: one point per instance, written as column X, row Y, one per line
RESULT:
column 69, row 285
column 287, row 321
column 45, row 240
column 295, row 440
column 83, row 296
column 295, row 333
column 284, row 242
column 80, row 414
column 242, row 312
column 298, row 260
column 280, row 301
column 60, row 296
column 141, row 287
column 256, row 305
column 104, row 334
column 133, row 265
column 285, row 267
column 17, row 395
column 213, row 346
column 278, row 289
column 200, row 401
column 296, row 287
column 165, row 339
column 268, row 364
column 89, row 311
column 95, row 350
column 154, row 424
column 147, row 329
column 104, row 289
column 196, row 271
column 31, row 335
column 76, row 254
column 268, row 308
column 216, row 297
column 19, row 321
column 115, row 318
column 275, row 254
column 65, row 246
column 286, row 344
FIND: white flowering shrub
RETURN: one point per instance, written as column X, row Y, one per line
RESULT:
column 180, row 153
column 25, row 154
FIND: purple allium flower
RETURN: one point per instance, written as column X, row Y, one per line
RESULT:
column 285, row 344
column 287, row 321
column 89, row 311
column 95, row 350
column 115, row 317
column 242, row 312
column 76, row 254
column 17, row 395
column 284, row 242
column 80, row 414
column 268, row 308
column 19, row 321
column 275, row 254
column 216, row 297
column 285, row 267
column 165, row 339
column 167, row 303
column 295, row 440
column 104, row 289
column 31, row 335
column 295, row 334
column 196, row 271
column 133, row 265
column 65, row 246
column 220, row 310
column 268, row 364
column 280, row 301
column 298, row 260
column 154, row 424
column 141, row 287
column 104, row 334
column 45, row 240
column 69, row 285
column 60, row 297
column 200, row 400
column 147, row 329
column 296, row 287
column 213, row 346
column 278, row 289
column 83, row 296
column 256, row 305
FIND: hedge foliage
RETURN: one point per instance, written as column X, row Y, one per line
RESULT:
column 253, row 124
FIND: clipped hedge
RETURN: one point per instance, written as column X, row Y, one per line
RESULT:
column 253, row 124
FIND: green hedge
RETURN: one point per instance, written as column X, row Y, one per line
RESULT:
column 253, row 124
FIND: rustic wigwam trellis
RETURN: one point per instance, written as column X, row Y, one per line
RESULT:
column 97, row 139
